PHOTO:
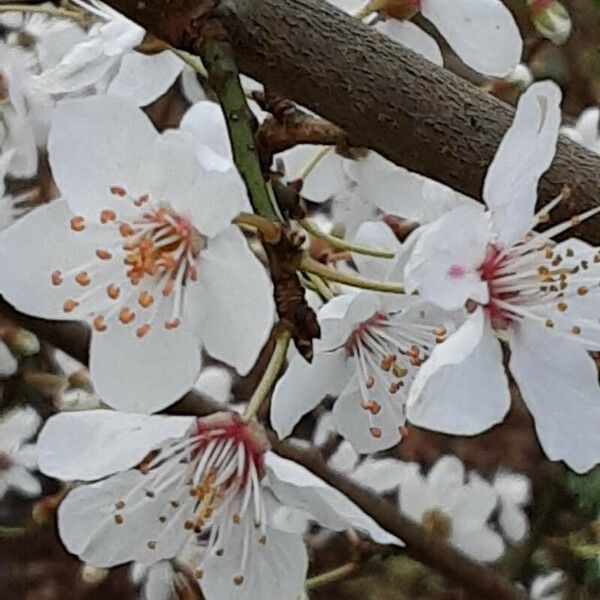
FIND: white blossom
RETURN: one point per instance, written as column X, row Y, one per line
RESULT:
column 541, row 296
column 586, row 131
column 514, row 493
column 159, row 482
column 149, row 257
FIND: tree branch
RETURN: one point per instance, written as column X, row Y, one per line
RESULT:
column 386, row 97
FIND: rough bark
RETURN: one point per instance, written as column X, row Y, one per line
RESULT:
column 385, row 96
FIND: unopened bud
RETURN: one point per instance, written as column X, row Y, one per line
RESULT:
column 8, row 363
column 21, row 342
column 551, row 20
column 93, row 575
column 77, row 399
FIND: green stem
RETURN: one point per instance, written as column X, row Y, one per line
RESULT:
column 336, row 242
column 8, row 533
column 217, row 56
column 312, row 266
column 320, row 287
column 330, row 576
column 314, row 161
column 61, row 13
column 269, row 376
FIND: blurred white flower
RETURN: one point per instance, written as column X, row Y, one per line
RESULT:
column 514, row 493
column 542, row 296
column 161, row 481
column 151, row 260
column 452, row 509
column 548, row 587
column 586, row 131
column 17, row 458
column 106, row 61
column 483, row 34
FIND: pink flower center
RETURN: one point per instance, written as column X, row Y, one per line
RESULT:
column 456, row 272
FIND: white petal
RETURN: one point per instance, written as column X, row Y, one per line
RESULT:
column 143, row 78
column 587, row 126
column 513, row 488
column 17, row 426
column 467, row 397
column 479, row 543
column 238, row 295
column 21, row 480
column 64, row 249
column 88, row 528
column 88, row 445
column 365, row 431
column 474, row 503
column 205, row 121
column 190, row 86
column 378, row 236
column 216, row 383
column 296, row 486
column 559, row 383
column 483, row 34
column 325, row 180
column 304, row 385
column 276, row 569
column 525, row 153
column 446, row 479
column 444, row 265
column 344, row 459
column 8, row 362
column 124, row 369
column 84, row 172
column 412, row 37
column 159, row 584
column 513, row 522
column 382, row 475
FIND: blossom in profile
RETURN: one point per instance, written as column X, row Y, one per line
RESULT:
column 159, row 482
column 17, row 457
column 141, row 246
column 518, row 285
column 452, row 507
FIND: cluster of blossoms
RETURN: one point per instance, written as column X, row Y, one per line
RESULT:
column 143, row 243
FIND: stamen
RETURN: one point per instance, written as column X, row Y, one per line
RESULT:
column 77, row 223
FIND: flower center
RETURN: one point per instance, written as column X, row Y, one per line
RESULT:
column 387, row 349
column 437, row 524
column 143, row 262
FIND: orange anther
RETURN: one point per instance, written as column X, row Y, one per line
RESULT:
column 141, row 200
column 145, row 299
column 168, row 288
column 125, row 230
column 192, row 272
column 56, row 278
column 172, row 324
column 387, row 362
column 113, row 291
column 77, row 223
column 370, row 382
column 372, row 406
column 103, row 254
column 375, row 432
column 106, row 216
column 70, row 305
column 126, row 315
column 142, row 331
column 82, row 278
column 115, row 190
column 98, row 323
column 238, row 579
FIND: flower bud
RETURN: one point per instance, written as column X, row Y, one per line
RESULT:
column 93, row 575
column 551, row 20
column 21, row 342
column 8, row 363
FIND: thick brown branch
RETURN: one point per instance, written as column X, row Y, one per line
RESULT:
column 385, row 96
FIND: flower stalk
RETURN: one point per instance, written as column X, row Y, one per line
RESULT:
column 269, row 377
column 310, row 265
column 341, row 244
column 331, row 576
column 217, row 56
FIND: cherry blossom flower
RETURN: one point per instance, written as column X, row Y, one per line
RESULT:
column 17, row 458
column 551, row 19
column 162, row 481
column 107, row 61
column 483, row 33
column 370, row 349
column 141, row 245
column 539, row 295
column 514, row 492
column 585, row 131
column 452, row 509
